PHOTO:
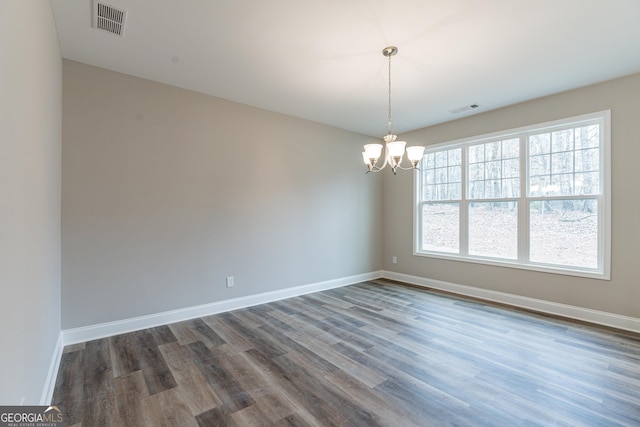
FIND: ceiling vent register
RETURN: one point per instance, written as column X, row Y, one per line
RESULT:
column 464, row 108
column 109, row 18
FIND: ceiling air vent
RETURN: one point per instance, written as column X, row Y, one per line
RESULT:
column 108, row 18
column 464, row 108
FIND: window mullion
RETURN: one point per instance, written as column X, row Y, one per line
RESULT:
column 523, row 203
column 418, row 203
column 464, row 205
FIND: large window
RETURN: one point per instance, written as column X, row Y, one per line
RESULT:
column 535, row 198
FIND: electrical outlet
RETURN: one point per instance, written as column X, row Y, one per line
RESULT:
column 230, row 282
column 394, row 259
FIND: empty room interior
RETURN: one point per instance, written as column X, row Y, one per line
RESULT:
column 390, row 213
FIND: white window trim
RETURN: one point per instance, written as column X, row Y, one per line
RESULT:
column 604, row 208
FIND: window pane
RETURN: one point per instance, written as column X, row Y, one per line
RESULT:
column 454, row 192
column 493, row 170
column 476, row 171
column 492, row 151
column 441, row 227
column 562, row 163
column 587, row 160
column 511, row 188
column 562, row 140
column 511, row 168
column 429, row 161
column 501, row 163
column 455, row 157
column 492, row 188
column 428, row 192
column 539, row 165
column 571, row 154
column 588, row 137
column 493, row 229
column 561, row 185
column 455, row 174
column 442, row 175
column 429, row 176
column 476, row 153
column 564, row 232
column 476, row 190
column 587, row 183
column 511, row 148
column 540, row 144
column 539, row 185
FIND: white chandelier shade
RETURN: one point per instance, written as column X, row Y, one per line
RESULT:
column 393, row 150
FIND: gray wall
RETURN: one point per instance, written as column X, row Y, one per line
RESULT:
column 166, row 192
column 30, row 138
column 621, row 295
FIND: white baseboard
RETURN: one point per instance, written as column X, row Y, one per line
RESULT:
column 50, row 383
column 585, row 314
column 92, row 332
column 88, row 333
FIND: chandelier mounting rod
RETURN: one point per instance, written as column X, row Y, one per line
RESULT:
column 389, row 51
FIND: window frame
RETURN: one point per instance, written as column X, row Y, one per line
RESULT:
column 602, row 272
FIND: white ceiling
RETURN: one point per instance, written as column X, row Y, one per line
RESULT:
column 321, row 59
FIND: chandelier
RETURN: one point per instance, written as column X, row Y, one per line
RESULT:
column 393, row 150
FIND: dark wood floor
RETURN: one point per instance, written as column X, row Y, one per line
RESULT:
column 364, row 355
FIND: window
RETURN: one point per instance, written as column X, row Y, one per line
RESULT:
column 534, row 198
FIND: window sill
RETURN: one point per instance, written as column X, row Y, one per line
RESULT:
column 543, row 268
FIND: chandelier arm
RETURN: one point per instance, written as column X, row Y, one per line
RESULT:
column 402, row 160
column 376, row 168
column 386, row 158
column 386, row 155
column 409, row 168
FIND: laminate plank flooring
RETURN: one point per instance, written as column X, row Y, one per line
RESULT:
column 372, row 354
